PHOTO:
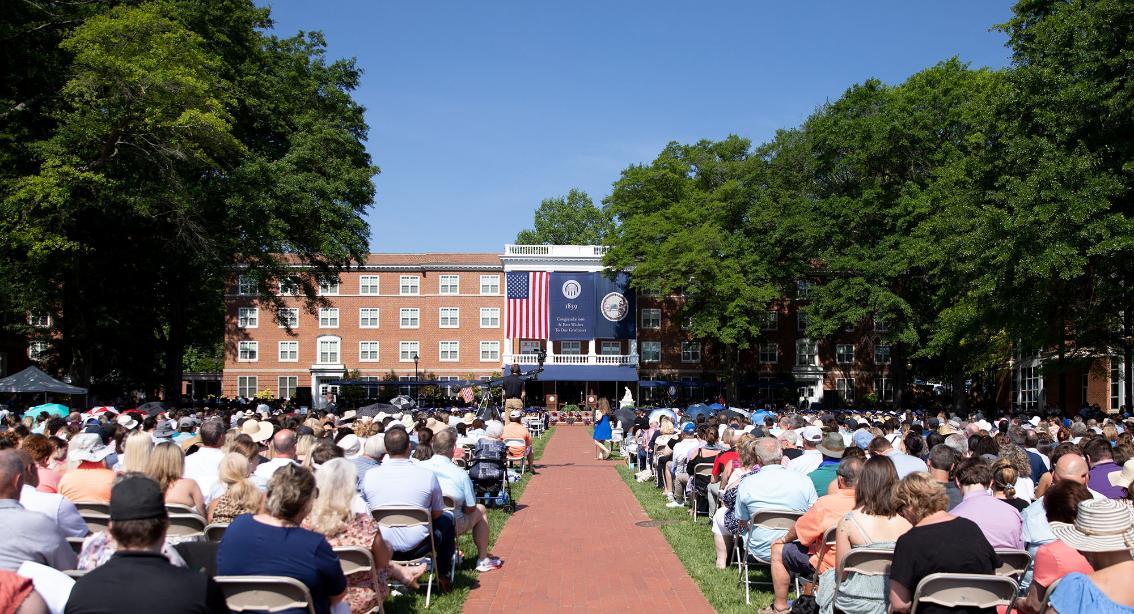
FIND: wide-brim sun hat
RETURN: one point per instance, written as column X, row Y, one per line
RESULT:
column 468, row 418
column 87, row 447
column 257, row 430
column 1101, row 525
column 832, row 445
column 1123, row 478
column 127, row 422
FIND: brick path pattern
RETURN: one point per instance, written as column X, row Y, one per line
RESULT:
column 573, row 545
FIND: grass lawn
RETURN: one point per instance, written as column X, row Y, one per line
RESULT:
column 454, row 600
column 693, row 544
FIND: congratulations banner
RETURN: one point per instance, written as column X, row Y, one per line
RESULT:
column 616, row 308
column 571, row 298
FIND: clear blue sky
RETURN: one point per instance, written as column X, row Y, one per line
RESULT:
column 480, row 109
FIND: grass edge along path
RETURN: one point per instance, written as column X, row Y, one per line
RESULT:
column 693, row 545
column 454, row 601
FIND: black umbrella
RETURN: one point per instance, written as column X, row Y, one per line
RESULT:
column 376, row 408
column 625, row 416
column 153, row 408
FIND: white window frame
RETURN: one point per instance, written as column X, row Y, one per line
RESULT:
column 287, row 351
column 769, row 353
column 493, row 350
column 771, row 321
column 449, row 351
column 327, row 315
column 812, row 350
column 412, row 315
column 248, row 317
column 450, row 320
column 366, row 314
column 880, row 325
column 529, row 346
column 287, row 384
column 338, row 353
column 288, row 317
column 571, row 348
column 651, row 318
column 614, row 345
column 407, row 349
column 39, row 320
column 491, row 283
column 801, row 320
column 37, row 350
column 246, row 285
column 368, row 348
column 884, row 389
column 492, row 314
column 329, row 287
column 841, row 351
column 651, row 351
column 803, row 289
column 248, row 351
column 288, row 287
column 690, row 352
column 409, row 285
column 245, row 384
column 844, row 387
column 368, row 285
column 449, row 285
column 883, row 354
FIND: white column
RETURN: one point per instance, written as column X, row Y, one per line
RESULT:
column 591, row 348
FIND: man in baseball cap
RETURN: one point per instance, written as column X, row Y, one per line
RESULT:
column 811, row 458
column 515, row 429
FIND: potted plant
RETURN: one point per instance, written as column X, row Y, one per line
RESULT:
column 572, row 412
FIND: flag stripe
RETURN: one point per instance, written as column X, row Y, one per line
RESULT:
column 527, row 305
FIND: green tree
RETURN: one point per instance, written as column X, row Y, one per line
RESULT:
column 568, row 220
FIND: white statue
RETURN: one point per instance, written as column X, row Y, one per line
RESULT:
column 627, row 399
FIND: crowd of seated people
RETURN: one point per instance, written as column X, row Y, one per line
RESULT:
column 287, row 488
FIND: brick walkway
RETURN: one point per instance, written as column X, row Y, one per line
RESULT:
column 573, row 546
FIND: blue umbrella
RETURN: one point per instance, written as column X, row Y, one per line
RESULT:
column 716, row 406
column 54, row 409
column 700, row 409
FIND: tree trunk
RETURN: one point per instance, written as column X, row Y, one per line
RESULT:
column 960, row 397
column 898, row 372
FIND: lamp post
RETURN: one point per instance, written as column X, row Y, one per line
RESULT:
column 417, row 389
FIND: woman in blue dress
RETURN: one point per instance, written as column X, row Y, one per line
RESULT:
column 602, row 429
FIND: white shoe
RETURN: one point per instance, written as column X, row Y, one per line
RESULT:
column 675, row 504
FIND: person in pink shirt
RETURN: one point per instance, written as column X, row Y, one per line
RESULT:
column 1056, row 559
column 999, row 521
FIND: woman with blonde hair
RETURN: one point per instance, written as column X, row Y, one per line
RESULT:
column 603, row 430
column 136, row 455
column 332, row 516
column 166, row 466
column 303, row 447
column 240, row 495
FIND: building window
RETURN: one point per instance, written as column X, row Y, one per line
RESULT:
column 610, row 348
column 368, row 317
column 249, row 351
column 571, row 348
column 410, row 285
column 771, row 321
column 405, row 390
column 651, row 351
column 328, row 317
column 450, row 351
column 845, row 387
column 450, row 317
column 690, row 351
column 248, row 317
column 246, row 284
column 246, row 386
column 651, row 319
column 1115, row 384
column 687, row 323
column 410, row 317
column 803, row 289
column 490, row 285
column 288, row 351
column 1029, row 387
column 39, row 321
column 407, row 350
column 489, row 351
column 884, row 389
column 802, row 320
column 288, row 287
column 450, row 391
column 37, row 351
column 490, row 317
column 329, row 286
column 287, row 386
column 529, row 346
column 288, row 317
column 450, row 284
column 882, row 354
column 329, row 351
column 806, row 353
column 368, row 285
column 769, row 353
column 844, row 354
column 368, row 351
column 880, row 325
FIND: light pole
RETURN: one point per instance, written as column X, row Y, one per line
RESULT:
column 417, row 390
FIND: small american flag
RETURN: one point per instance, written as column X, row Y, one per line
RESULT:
column 467, row 394
column 527, row 305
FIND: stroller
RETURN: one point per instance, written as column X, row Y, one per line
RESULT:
column 488, row 470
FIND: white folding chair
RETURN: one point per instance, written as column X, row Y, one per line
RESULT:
column 186, row 525
column 780, row 520
column 866, row 562
column 964, row 590
column 1013, row 563
column 265, row 593
column 704, row 470
column 215, row 532
column 522, row 459
column 392, row 516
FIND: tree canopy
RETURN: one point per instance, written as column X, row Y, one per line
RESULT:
column 568, row 220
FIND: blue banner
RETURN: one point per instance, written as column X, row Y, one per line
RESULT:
column 617, row 308
column 571, row 301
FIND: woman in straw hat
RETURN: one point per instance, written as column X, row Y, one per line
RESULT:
column 1104, row 532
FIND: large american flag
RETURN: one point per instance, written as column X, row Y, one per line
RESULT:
column 527, row 305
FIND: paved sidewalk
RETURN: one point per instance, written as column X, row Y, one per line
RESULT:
column 573, row 546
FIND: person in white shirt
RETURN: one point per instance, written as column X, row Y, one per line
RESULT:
column 811, row 458
column 56, row 507
column 283, row 446
column 204, row 464
column 903, row 463
column 681, row 452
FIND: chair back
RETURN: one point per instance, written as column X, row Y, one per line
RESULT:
column 775, row 519
column 450, row 503
column 76, row 543
column 828, row 541
column 215, row 532
column 74, row 573
column 96, row 521
column 869, row 561
column 460, row 462
column 354, row 559
column 176, row 508
column 186, row 525
column 703, row 469
column 964, row 590
column 1013, row 563
column 93, row 506
column 401, row 516
column 264, row 593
